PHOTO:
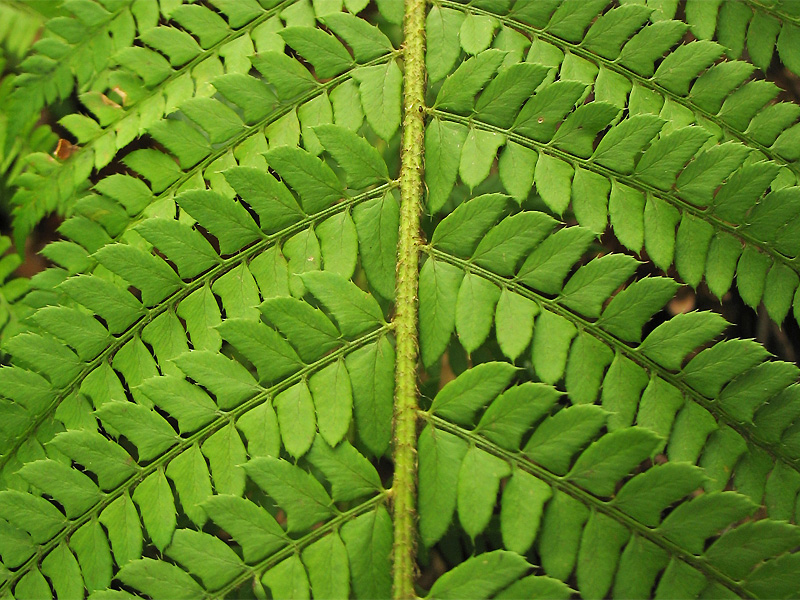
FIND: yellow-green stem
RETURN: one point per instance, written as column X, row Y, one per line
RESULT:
column 405, row 415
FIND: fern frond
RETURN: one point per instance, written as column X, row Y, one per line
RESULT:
column 231, row 416
column 759, row 28
column 187, row 76
column 712, row 408
column 73, row 51
column 140, row 86
column 19, row 25
column 216, row 389
column 654, row 183
column 276, row 124
column 11, row 290
column 555, row 495
column 626, row 69
column 250, row 267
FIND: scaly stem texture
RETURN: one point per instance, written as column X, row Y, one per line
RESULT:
column 405, row 435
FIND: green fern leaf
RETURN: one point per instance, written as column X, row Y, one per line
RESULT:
column 332, row 308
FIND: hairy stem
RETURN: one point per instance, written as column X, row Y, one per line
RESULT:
column 405, row 416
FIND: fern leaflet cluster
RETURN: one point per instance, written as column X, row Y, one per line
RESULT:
column 214, row 390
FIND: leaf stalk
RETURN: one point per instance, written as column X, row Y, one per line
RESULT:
column 405, row 321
